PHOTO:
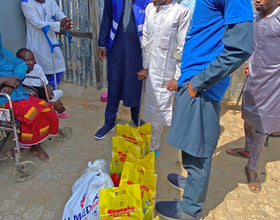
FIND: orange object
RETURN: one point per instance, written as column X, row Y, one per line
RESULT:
column 85, row 105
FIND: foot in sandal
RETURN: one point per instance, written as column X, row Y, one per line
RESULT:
column 253, row 181
column 238, row 152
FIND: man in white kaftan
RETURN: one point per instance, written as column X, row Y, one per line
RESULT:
column 164, row 33
column 38, row 14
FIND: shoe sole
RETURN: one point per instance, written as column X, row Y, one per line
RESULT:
column 176, row 187
column 100, row 138
column 169, row 218
column 165, row 217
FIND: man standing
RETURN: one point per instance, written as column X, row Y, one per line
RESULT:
column 260, row 105
column 38, row 14
column 219, row 41
column 120, row 39
column 164, row 33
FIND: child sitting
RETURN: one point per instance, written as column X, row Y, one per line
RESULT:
column 35, row 70
column 36, row 117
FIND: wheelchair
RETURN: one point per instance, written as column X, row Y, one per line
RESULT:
column 8, row 124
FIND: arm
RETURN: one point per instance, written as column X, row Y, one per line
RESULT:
column 238, row 41
column 102, row 53
column 20, row 70
column 181, row 38
column 49, row 91
column 145, row 41
column 32, row 17
column 246, row 69
column 8, row 84
column 142, row 74
column 13, row 81
column 59, row 15
column 9, row 81
column 106, row 25
column 66, row 24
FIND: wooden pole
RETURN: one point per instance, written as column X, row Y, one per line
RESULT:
column 95, row 31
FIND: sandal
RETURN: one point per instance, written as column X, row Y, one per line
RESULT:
column 253, row 183
column 238, row 152
column 63, row 115
column 275, row 134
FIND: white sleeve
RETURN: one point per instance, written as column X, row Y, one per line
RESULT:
column 37, row 71
column 58, row 12
column 29, row 13
column 145, row 40
column 182, row 31
column 42, row 74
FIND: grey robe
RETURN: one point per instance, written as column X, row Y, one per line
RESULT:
column 261, row 97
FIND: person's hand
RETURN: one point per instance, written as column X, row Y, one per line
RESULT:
column 7, row 89
column 191, row 91
column 66, row 24
column 50, row 91
column 102, row 53
column 246, row 69
column 172, row 85
column 12, row 81
column 142, row 74
column 58, row 107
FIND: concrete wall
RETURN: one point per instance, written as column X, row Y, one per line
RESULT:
column 12, row 25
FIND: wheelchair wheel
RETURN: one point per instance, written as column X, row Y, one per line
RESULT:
column 64, row 134
column 24, row 171
column 3, row 157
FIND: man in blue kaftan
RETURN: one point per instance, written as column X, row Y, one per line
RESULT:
column 219, row 40
column 120, row 40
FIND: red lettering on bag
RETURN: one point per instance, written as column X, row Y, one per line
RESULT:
column 145, row 188
column 121, row 212
column 130, row 139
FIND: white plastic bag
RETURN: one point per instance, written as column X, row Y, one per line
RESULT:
column 84, row 202
column 97, row 166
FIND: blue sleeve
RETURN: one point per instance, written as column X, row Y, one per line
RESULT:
column 238, row 41
column 14, row 66
column 236, row 11
column 20, row 69
column 106, row 24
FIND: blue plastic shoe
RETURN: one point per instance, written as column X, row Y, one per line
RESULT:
column 172, row 210
column 156, row 153
column 177, row 181
column 102, row 132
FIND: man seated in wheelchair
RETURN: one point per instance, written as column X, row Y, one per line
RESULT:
column 36, row 70
column 37, row 118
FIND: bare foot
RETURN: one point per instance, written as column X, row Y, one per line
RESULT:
column 40, row 152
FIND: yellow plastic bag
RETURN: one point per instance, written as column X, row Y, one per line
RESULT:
column 134, row 174
column 122, row 151
column 121, row 203
column 139, row 136
column 147, row 162
column 124, row 145
column 145, row 132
